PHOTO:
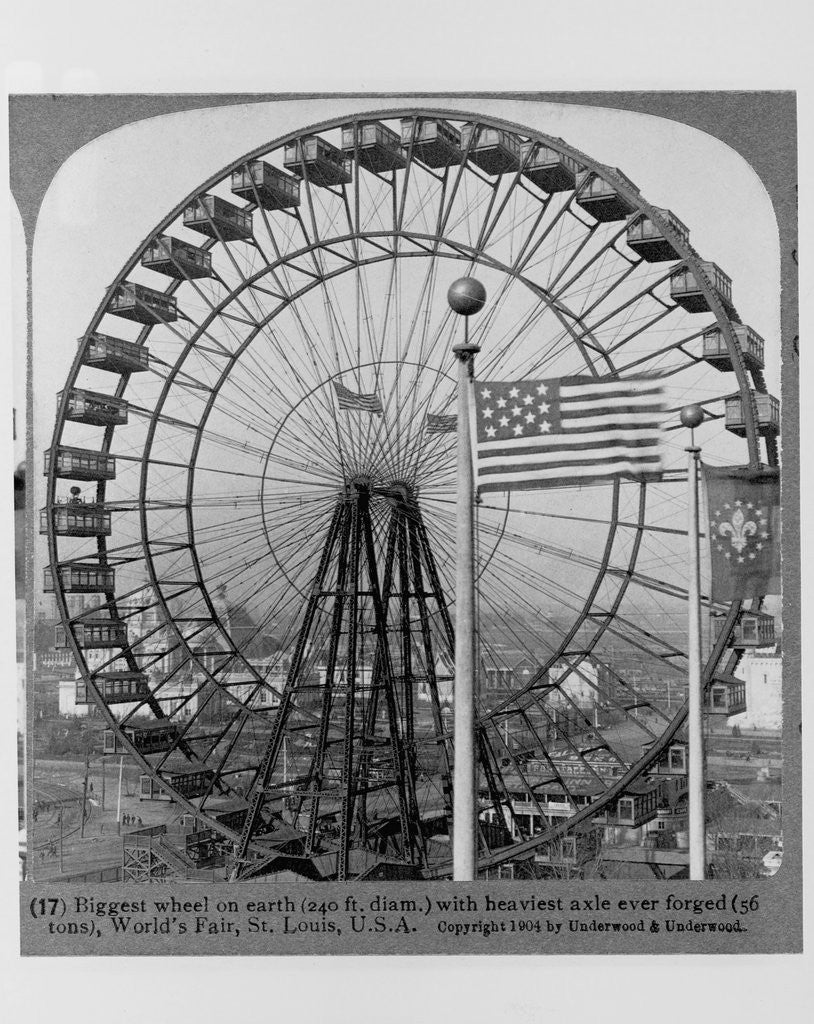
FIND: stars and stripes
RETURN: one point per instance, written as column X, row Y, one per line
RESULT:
column 441, row 423
column 352, row 401
column 548, row 433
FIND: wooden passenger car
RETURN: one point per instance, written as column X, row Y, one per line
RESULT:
column 115, row 687
column 177, row 259
column 190, row 784
column 768, row 414
column 94, row 408
column 217, row 218
column 149, row 738
column 259, row 181
column 319, row 160
column 752, row 629
column 77, row 519
column 435, row 142
column 81, row 578
column 104, row 352
column 93, row 633
column 716, row 352
column 646, row 239
column 144, row 305
column 725, row 698
column 549, row 169
column 635, row 807
column 492, row 149
column 81, row 464
column 378, row 147
column 685, row 290
column 601, row 199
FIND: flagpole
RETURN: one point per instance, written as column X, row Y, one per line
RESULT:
column 692, row 416
column 466, row 297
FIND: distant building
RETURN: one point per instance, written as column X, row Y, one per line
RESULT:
column 579, row 683
column 67, row 700
column 762, row 671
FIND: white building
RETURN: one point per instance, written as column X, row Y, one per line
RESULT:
column 762, row 671
column 581, row 686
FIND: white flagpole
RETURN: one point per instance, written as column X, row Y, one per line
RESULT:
column 466, row 296
column 692, row 416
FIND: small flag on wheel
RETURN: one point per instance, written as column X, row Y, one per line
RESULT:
column 574, row 430
column 355, row 402
column 441, row 423
column 744, row 531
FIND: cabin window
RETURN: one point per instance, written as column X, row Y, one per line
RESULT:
column 749, row 630
column 678, row 759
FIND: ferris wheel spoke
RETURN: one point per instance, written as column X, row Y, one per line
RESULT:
column 572, row 667
column 313, row 240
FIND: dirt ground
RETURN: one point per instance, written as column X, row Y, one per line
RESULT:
column 101, row 845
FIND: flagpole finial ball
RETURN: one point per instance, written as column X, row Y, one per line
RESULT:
column 692, row 416
column 466, row 296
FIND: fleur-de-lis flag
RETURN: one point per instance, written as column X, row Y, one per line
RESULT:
column 744, row 531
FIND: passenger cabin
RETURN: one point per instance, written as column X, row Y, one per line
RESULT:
column 752, row 629
column 559, row 851
column 716, row 352
column 435, row 143
column 672, row 761
column 570, row 850
column 115, row 687
column 492, row 149
column 151, row 789
column 725, row 698
column 193, row 783
column 634, row 808
column 646, row 239
column 378, row 147
column 259, row 182
column 81, row 464
column 549, row 169
column 144, row 305
column 104, row 352
column 93, row 408
column 177, row 259
column 318, row 161
column 207, row 848
column 81, row 578
column 601, row 199
column 76, row 518
column 768, row 414
column 685, row 291
column 189, row 784
column 150, row 738
column 219, row 219
column 232, row 816
column 92, row 633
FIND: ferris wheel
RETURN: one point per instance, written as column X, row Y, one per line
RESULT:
column 251, row 494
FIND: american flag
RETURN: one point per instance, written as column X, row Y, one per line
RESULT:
column 441, row 423
column 359, row 403
column 549, row 433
